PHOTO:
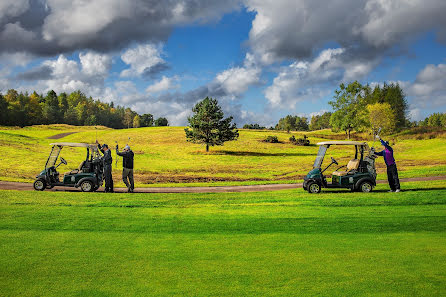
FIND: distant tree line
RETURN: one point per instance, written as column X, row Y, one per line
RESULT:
column 357, row 107
column 23, row 109
column 437, row 120
column 253, row 127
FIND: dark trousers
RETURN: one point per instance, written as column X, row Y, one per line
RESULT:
column 108, row 178
column 128, row 174
column 392, row 176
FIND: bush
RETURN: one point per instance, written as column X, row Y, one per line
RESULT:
column 272, row 139
column 300, row 141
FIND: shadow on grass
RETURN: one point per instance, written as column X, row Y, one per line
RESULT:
column 254, row 154
column 346, row 191
column 413, row 190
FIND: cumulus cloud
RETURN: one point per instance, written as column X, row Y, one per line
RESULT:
column 143, row 59
column 237, row 80
column 310, row 80
column 65, row 75
column 368, row 28
column 164, row 84
column 50, row 27
column 429, row 88
column 12, row 8
column 94, row 64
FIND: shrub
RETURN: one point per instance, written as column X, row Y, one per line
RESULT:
column 272, row 139
column 300, row 141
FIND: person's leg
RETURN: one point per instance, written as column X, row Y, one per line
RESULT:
column 132, row 181
column 396, row 180
column 107, row 178
column 390, row 178
column 125, row 173
column 111, row 181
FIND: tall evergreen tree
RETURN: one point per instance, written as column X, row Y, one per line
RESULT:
column 209, row 126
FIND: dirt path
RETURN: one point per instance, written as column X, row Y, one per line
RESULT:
column 61, row 135
column 254, row 188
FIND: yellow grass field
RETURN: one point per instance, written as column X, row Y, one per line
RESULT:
column 164, row 157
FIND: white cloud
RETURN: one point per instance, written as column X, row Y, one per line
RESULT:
column 141, row 59
column 164, row 84
column 312, row 80
column 95, row 64
column 365, row 28
column 237, row 80
column 429, row 88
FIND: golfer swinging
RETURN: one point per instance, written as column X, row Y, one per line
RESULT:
column 127, row 167
column 107, row 161
column 392, row 171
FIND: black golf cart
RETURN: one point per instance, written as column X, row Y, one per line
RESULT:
column 88, row 176
column 359, row 174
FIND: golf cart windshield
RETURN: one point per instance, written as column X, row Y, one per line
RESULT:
column 53, row 156
column 320, row 156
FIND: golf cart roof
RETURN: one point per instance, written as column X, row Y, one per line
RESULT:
column 74, row 144
column 342, row 143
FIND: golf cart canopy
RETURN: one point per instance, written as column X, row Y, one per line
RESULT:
column 57, row 147
column 323, row 146
column 74, row 144
column 328, row 143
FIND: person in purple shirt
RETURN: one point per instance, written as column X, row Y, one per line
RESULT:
column 392, row 171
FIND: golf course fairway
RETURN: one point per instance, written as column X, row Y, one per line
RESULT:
column 281, row 243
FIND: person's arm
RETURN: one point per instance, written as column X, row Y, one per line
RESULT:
column 100, row 148
column 122, row 154
column 381, row 153
column 386, row 145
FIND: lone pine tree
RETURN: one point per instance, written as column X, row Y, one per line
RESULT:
column 208, row 125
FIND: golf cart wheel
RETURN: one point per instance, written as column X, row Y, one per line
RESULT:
column 366, row 187
column 314, row 188
column 39, row 185
column 86, row 186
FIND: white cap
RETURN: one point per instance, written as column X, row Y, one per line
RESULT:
column 127, row 147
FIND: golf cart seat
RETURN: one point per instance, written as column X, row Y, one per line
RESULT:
column 351, row 166
column 75, row 171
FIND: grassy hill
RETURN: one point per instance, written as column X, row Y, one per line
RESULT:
column 164, row 157
column 285, row 243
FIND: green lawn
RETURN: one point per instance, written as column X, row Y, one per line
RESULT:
column 241, row 244
column 164, row 157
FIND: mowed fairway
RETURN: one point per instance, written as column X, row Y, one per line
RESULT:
column 164, row 157
column 241, row 244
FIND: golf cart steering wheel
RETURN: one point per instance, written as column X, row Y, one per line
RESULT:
column 63, row 161
column 334, row 161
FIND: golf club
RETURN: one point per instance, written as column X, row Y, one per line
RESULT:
column 374, row 137
column 116, row 157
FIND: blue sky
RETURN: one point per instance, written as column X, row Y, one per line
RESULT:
column 261, row 59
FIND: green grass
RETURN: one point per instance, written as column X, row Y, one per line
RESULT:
column 280, row 243
column 165, row 158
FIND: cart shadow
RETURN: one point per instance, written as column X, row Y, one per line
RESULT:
column 412, row 190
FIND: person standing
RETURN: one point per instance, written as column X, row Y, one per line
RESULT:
column 107, row 162
column 392, row 171
column 127, row 167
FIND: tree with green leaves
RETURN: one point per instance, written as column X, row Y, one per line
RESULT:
column 350, row 108
column 136, row 122
column 161, row 122
column 51, row 108
column 209, row 126
column 393, row 95
column 146, row 120
column 381, row 116
column 319, row 122
column 292, row 123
